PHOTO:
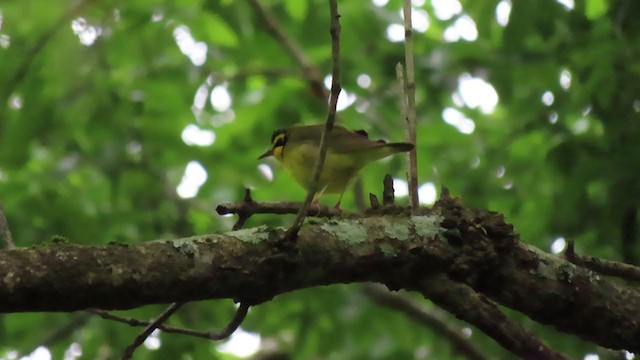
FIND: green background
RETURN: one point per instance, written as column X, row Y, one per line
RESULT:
column 91, row 144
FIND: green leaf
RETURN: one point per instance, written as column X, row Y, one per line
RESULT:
column 297, row 9
column 596, row 8
column 215, row 30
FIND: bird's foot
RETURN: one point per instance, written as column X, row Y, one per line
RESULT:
column 315, row 204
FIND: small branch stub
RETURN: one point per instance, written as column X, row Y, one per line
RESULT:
column 375, row 204
column 388, row 197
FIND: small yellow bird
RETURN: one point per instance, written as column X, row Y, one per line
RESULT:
column 297, row 148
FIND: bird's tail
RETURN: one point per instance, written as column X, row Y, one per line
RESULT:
column 387, row 149
column 400, row 146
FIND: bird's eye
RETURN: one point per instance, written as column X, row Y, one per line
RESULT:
column 280, row 140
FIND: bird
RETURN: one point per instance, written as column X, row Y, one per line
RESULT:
column 297, row 148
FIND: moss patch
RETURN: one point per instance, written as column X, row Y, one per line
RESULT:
column 397, row 231
column 252, row 236
column 349, row 231
column 427, row 226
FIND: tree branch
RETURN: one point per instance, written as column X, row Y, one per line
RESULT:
column 466, row 304
column 602, row 266
column 424, row 316
column 311, row 73
column 248, row 207
column 473, row 248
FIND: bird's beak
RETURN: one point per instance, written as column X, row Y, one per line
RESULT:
column 266, row 154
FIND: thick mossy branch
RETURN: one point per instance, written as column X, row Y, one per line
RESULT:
column 474, row 248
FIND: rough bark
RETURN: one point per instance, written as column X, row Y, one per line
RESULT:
column 474, row 248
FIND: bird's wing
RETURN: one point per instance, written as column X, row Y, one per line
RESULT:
column 343, row 141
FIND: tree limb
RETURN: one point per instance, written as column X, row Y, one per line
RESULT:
column 473, row 248
column 602, row 266
column 424, row 316
column 476, row 309
column 311, row 73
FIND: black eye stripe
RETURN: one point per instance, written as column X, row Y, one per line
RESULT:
column 276, row 133
column 279, row 140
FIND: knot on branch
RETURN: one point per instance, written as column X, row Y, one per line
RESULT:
column 482, row 237
column 474, row 224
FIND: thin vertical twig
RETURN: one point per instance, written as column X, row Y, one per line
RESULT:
column 331, row 119
column 5, row 232
column 388, row 194
column 410, row 93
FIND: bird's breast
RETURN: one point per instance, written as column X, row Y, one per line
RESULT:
column 338, row 168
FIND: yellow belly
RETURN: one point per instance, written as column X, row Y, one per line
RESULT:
column 337, row 172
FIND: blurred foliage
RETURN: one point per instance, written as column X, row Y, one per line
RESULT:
column 95, row 98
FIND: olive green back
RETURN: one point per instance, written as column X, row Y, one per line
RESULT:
column 343, row 141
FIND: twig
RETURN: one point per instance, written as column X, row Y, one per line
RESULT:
column 239, row 316
column 331, row 118
column 139, row 340
column 410, row 93
column 243, row 216
column 602, row 266
column 423, row 316
column 247, row 209
column 311, row 73
column 373, row 200
column 462, row 301
column 5, row 232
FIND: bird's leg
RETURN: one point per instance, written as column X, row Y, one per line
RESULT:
column 345, row 185
column 337, row 206
column 316, row 201
column 344, row 188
